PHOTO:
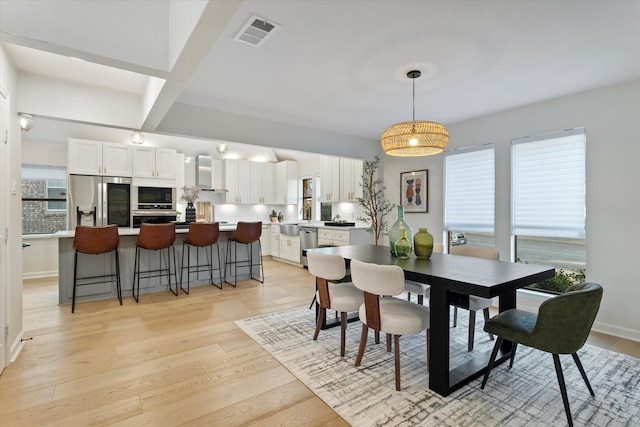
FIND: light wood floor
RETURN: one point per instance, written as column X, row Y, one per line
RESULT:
column 166, row 361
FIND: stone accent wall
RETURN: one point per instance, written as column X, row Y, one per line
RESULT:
column 35, row 218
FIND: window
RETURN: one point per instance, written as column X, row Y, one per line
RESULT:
column 469, row 195
column 548, row 186
column 44, row 199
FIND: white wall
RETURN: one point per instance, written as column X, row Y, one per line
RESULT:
column 41, row 258
column 610, row 116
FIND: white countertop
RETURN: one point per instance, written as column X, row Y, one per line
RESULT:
column 136, row 231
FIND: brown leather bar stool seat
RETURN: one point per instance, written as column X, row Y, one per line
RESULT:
column 96, row 241
column 247, row 233
column 201, row 235
column 155, row 237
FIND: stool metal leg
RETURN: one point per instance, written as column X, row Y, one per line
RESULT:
column 118, row 285
column 75, row 273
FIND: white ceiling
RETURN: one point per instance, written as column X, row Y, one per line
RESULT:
column 336, row 66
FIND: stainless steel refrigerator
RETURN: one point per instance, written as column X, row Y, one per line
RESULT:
column 99, row 200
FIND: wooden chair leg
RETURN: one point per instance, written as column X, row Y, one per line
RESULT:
column 321, row 314
column 428, row 347
column 377, row 337
column 582, row 372
column 563, row 388
column 472, row 329
column 343, row 331
column 363, row 344
column 388, row 343
column 396, row 344
column 492, row 361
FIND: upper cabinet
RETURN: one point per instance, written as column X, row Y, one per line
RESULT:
column 330, row 178
column 287, row 182
column 263, row 176
column 149, row 162
column 87, row 157
column 350, row 179
column 237, row 175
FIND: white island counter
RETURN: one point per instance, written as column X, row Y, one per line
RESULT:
column 95, row 265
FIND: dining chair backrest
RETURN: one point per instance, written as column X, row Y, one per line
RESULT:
column 475, row 251
column 156, row 236
column 203, row 233
column 327, row 266
column 564, row 321
column 248, row 232
column 377, row 279
column 96, row 240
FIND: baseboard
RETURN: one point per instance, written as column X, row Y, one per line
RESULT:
column 617, row 331
column 16, row 347
column 40, row 274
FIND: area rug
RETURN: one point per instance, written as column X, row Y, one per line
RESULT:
column 526, row 395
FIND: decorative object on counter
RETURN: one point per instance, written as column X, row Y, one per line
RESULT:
column 414, row 190
column 395, row 232
column 403, row 246
column 280, row 217
column 190, row 195
column 190, row 213
column 375, row 205
column 414, row 138
column 178, row 216
column 273, row 216
column 423, row 244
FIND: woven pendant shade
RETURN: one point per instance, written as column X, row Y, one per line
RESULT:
column 417, row 137
column 427, row 138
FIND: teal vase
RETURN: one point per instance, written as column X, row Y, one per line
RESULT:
column 423, row 244
column 403, row 246
column 395, row 232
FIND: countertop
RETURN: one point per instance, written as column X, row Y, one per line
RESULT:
column 136, row 231
column 320, row 224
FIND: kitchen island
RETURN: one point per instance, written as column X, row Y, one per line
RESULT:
column 95, row 265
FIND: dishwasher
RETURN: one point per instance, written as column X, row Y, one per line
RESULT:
column 308, row 240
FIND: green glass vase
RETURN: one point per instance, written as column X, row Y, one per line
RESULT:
column 403, row 246
column 395, row 231
column 423, row 244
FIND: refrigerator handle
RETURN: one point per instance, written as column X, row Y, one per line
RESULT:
column 94, row 215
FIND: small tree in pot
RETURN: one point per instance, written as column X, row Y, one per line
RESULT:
column 376, row 207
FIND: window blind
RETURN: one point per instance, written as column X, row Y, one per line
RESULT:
column 548, row 185
column 469, row 189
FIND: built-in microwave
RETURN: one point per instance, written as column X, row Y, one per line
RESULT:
column 155, row 198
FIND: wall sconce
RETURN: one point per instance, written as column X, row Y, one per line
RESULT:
column 137, row 137
column 26, row 122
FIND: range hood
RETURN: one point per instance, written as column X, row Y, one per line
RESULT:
column 204, row 174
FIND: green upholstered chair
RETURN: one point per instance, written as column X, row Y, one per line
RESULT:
column 561, row 326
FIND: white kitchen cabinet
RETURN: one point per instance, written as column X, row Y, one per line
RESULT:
column 330, row 178
column 263, row 176
column 86, row 157
column 290, row 248
column 275, row 240
column 237, row 175
column 149, row 162
column 343, row 237
column 350, row 179
column 287, row 182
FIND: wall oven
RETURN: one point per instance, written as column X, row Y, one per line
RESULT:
column 154, row 205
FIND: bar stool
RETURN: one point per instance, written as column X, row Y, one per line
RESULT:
column 247, row 233
column 201, row 235
column 96, row 241
column 155, row 237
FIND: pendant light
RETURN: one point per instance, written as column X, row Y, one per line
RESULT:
column 414, row 138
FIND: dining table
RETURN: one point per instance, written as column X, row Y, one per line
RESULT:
column 452, row 279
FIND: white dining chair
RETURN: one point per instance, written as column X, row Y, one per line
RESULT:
column 393, row 316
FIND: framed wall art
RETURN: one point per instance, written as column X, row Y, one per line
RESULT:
column 414, row 191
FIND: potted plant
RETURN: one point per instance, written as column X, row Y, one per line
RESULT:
column 376, row 207
column 273, row 216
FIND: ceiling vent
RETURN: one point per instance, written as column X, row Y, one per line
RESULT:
column 256, row 31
